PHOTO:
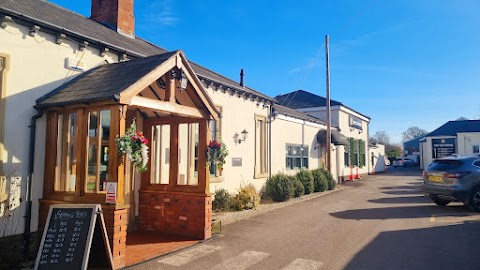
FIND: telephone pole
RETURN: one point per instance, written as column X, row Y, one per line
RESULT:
column 329, row 131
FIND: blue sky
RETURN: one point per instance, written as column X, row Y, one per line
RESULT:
column 403, row 63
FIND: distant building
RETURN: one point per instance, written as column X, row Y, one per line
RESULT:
column 454, row 137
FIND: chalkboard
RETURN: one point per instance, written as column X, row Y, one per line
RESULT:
column 72, row 231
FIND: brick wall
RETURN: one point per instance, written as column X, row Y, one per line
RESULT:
column 178, row 213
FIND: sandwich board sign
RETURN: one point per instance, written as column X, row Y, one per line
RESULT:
column 74, row 237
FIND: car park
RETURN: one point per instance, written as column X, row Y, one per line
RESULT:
column 453, row 178
column 403, row 162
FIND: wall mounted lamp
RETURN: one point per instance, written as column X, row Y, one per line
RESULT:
column 179, row 75
column 4, row 21
column 244, row 136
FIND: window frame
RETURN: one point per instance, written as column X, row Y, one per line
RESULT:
column 260, row 153
column 291, row 158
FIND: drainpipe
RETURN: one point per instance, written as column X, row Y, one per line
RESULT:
column 270, row 117
column 28, row 196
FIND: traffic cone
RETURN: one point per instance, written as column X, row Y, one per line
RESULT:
column 351, row 174
column 357, row 176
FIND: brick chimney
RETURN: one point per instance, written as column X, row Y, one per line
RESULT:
column 115, row 14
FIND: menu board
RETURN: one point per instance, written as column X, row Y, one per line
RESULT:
column 70, row 233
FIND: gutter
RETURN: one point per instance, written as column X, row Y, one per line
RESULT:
column 28, row 196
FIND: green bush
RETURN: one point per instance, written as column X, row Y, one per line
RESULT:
column 298, row 188
column 306, row 177
column 246, row 198
column 319, row 181
column 279, row 187
column 330, row 180
column 223, row 200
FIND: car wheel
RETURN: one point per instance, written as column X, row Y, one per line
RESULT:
column 439, row 201
column 474, row 202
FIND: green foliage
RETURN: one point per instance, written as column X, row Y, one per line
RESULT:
column 279, row 187
column 361, row 153
column 246, row 198
column 331, row 183
column 305, row 176
column 298, row 188
column 319, row 181
column 223, row 200
column 351, row 142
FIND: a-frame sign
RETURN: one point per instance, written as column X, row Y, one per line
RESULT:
column 74, row 237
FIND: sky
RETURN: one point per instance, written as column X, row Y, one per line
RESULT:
column 403, row 63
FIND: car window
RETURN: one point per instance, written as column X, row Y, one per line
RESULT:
column 477, row 163
column 445, row 165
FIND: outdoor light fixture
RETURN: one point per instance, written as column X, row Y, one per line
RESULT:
column 4, row 21
column 179, row 75
column 244, row 136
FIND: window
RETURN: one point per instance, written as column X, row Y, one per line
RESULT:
column 160, row 154
column 476, row 149
column 296, row 156
column 215, row 127
column 66, row 161
column 188, row 154
column 98, row 141
column 260, row 146
column 346, row 155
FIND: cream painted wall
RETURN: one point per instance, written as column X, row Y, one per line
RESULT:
column 288, row 130
column 466, row 141
column 238, row 114
column 379, row 158
column 37, row 66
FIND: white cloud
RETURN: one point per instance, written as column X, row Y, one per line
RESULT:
column 162, row 12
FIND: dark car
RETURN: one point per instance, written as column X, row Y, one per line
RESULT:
column 453, row 178
column 403, row 162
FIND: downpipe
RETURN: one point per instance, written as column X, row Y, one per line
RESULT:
column 28, row 196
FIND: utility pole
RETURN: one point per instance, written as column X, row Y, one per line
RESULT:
column 329, row 131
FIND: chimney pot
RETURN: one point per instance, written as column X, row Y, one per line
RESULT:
column 242, row 76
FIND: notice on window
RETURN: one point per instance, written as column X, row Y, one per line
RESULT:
column 443, row 147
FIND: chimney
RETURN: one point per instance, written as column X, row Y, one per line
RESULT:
column 242, row 75
column 115, row 14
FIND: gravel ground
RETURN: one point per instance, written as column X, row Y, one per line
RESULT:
column 230, row 217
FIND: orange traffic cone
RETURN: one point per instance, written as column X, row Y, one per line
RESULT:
column 357, row 176
column 351, row 174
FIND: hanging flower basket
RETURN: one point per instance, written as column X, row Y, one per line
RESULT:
column 216, row 154
column 134, row 145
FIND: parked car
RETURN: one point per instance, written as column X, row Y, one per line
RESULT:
column 453, row 178
column 403, row 162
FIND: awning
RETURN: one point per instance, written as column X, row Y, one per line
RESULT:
column 337, row 137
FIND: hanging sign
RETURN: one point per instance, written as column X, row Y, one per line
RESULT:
column 111, row 196
column 74, row 237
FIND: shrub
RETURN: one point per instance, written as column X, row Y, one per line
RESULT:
column 246, row 198
column 330, row 180
column 298, row 188
column 306, row 177
column 223, row 200
column 279, row 187
column 319, row 181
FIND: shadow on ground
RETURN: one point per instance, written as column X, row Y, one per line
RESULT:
column 405, row 199
column 428, row 248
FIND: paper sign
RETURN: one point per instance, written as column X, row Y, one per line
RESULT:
column 111, row 196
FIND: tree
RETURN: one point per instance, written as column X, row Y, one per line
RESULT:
column 380, row 137
column 412, row 133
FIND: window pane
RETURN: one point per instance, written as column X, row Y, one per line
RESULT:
column 71, row 155
column 193, row 178
column 59, row 175
column 187, row 158
column 305, row 163
column 92, row 166
column 476, row 149
column 93, row 124
column 298, row 162
column 213, row 136
column 105, row 117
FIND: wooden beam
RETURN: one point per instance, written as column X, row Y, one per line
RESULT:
column 169, row 89
column 173, row 177
column 165, row 107
column 144, row 82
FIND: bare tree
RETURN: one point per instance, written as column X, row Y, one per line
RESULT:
column 412, row 133
column 380, row 137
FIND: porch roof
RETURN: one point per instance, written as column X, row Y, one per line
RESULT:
column 118, row 81
column 337, row 137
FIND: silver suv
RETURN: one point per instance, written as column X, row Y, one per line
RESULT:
column 453, row 178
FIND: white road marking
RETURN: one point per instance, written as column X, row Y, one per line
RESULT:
column 432, row 218
column 189, row 255
column 302, row 264
column 242, row 261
